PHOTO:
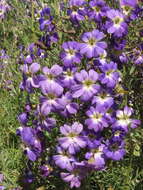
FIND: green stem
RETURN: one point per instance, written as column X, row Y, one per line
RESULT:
column 32, row 14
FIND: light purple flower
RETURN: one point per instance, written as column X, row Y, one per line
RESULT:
column 72, row 141
column 63, row 159
column 69, row 106
column 50, row 99
column 75, row 175
column 92, row 45
column 76, row 3
column 96, row 159
column 97, row 118
column 50, row 77
column 86, row 85
column 124, row 119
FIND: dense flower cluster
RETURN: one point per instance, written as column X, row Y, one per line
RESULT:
column 78, row 101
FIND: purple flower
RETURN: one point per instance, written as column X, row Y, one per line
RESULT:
column 124, row 119
column 97, row 10
column 72, row 141
column 69, row 106
column 30, row 154
column 44, row 121
column 2, row 187
column 4, row 8
column 93, row 139
column 29, row 137
column 23, row 118
column 63, row 159
column 45, row 170
column 77, row 10
column 46, row 19
column 128, row 5
column 139, row 60
column 67, row 79
column 96, row 158
column 76, row 3
column 1, row 178
column 50, row 98
column 30, row 79
column 103, row 99
column 110, row 77
column 97, row 118
column 72, row 178
column 71, row 53
column 115, row 150
column 86, row 85
column 117, row 25
column 75, row 175
column 50, row 77
column 92, row 46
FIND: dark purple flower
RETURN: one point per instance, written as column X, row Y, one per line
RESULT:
column 77, row 10
column 45, row 170
column 30, row 154
column 97, row 10
column 29, row 137
column 86, row 85
column 45, row 19
column 114, row 150
column 117, row 26
column 72, row 141
column 92, row 45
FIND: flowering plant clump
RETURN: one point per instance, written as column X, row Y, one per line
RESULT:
column 74, row 120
